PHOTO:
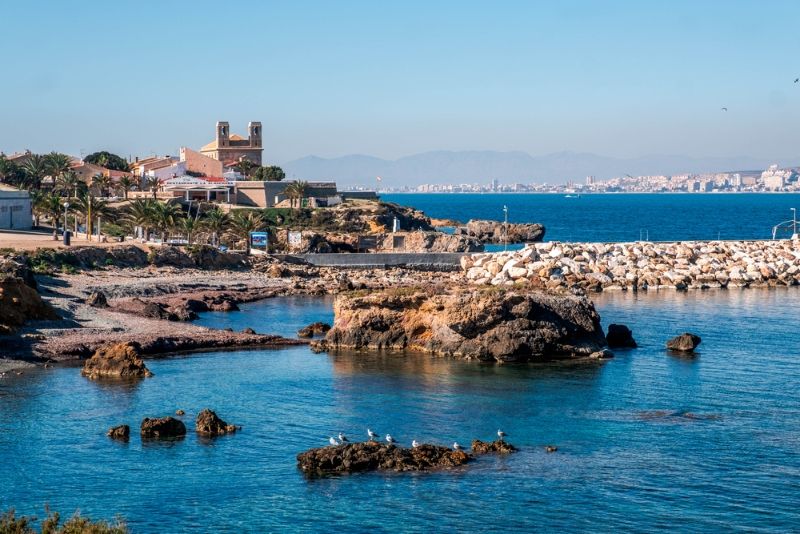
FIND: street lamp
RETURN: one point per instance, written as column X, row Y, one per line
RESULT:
column 794, row 223
column 505, row 228
column 66, row 207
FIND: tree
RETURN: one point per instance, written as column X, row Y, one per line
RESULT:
column 108, row 160
column 141, row 212
column 91, row 207
column 57, row 164
column 70, row 183
column 296, row 191
column 243, row 222
column 50, row 206
column 244, row 166
column 125, row 184
column 165, row 217
column 272, row 173
column 11, row 173
column 35, row 169
column 188, row 226
column 216, row 221
column 153, row 184
column 102, row 183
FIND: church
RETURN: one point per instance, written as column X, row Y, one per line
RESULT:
column 231, row 148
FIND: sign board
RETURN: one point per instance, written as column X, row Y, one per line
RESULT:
column 295, row 238
column 258, row 239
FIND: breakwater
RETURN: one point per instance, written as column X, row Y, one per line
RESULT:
column 641, row 265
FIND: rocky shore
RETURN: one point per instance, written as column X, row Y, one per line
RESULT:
column 640, row 265
column 498, row 232
column 485, row 324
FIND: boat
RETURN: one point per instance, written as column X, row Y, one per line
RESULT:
column 572, row 196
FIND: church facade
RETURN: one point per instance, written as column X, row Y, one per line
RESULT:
column 231, row 148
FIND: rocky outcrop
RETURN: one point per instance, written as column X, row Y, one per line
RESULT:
column 487, row 325
column 208, row 423
column 162, row 428
column 312, row 241
column 684, row 343
column 314, row 329
column 17, row 266
column 121, row 432
column 489, row 447
column 620, row 336
column 374, row 456
column 641, row 265
column 499, row 232
column 122, row 360
column 97, row 300
column 20, row 303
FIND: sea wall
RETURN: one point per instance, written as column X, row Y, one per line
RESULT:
column 640, row 265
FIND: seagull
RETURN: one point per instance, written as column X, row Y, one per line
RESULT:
column 724, row 109
column 343, row 438
column 333, row 441
column 372, row 435
column 389, row 439
column 796, row 80
column 456, row 446
column 501, row 434
column 414, row 443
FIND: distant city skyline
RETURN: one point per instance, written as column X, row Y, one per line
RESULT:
column 622, row 79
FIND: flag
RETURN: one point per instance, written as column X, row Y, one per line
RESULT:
column 378, row 178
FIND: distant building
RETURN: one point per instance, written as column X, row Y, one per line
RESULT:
column 15, row 209
column 230, row 148
column 590, row 180
column 269, row 194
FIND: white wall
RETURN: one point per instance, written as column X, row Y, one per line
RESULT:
column 15, row 213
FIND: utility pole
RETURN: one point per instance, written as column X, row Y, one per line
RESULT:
column 794, row 223
column 505, row 228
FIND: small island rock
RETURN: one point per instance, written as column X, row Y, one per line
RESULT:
column 620, row 336
column 315, row 329
column 121, row 360
column 374, row 456
column 121, row 432
column 162, row 428
column 684, row 343
column 208, row 423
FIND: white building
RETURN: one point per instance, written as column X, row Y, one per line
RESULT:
column 15, row 209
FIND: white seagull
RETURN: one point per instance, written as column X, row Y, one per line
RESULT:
column 372, row 435
column 333, row 441
column 343, row 438
column 389, row 439
column 501, row 434
column 414, row 443
column 456, row 446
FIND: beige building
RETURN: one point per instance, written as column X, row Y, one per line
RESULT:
column 230, row 148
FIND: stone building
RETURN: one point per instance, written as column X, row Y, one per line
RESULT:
column 230, row 148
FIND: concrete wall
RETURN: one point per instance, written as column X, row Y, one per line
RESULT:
column 197, row 162
column 428, row 261
column 15, row 211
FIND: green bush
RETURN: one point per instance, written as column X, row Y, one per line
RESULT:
column 10, row 523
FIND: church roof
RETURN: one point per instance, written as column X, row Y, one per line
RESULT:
column 234, row 137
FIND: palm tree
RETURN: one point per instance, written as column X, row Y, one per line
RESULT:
column 49, row 206
column 90, row 207
column 245, row 166
column 152, row 183
column 188, row 226
column 166, row 216
column 57, row 164
column 70, row 182
column 141, row 212
column 126, row 183
column 296, row 191
column 216, row 221
column 243, row 222
column 35, row 169
column 102, row 182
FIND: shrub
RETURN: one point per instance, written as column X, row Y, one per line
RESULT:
column 10, row 523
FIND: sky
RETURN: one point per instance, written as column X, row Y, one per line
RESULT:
column 389, row 79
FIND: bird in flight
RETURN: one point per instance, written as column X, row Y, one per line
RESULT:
column 796, row 80
column 724, row 109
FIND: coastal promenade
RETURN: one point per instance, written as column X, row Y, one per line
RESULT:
column 641, row 265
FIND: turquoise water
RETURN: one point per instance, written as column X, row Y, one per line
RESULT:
column 646, row 441
column 620, row 217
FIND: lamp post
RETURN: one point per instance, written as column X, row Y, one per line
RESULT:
column 794, row 223
column 505, row 228
column 66, row 207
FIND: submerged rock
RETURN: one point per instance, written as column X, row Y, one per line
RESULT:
column 162, row 428
column 485, row 324
column 620, row 336
column 208, row 423
column 374, row 456
column 684, row 343
column 116, row 361
column 121, row 432
column 314, row 329
column 488, row 447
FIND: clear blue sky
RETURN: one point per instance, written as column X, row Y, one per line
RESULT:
column 618, row 78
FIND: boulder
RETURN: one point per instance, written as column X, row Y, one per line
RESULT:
column 162, row 428
column 620, row 336
column 684, row 343
column 155, row 310
column 248, row 330
column 97, row 300
column 488, row 447
column 121, row 360
column 121, row 432
column 374, row 456
column 496, row 232
column 19, row 303
column 314, row 329
column 208, row 423
column 487, row 324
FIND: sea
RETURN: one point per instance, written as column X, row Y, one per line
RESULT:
column 647, row 441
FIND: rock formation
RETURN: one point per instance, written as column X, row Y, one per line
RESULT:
column 488, row 447
column 121, row 432
column 314, row 329
column 162, row 428
column 122, row 360
column 97, row 300
column 208, row 423
column 684, row 343
column 498, row 232
column 19, row 303
column 484, row 324
column 620, row 336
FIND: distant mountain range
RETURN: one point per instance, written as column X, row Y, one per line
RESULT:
column 508, row 167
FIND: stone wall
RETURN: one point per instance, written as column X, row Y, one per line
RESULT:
column 641, row 265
